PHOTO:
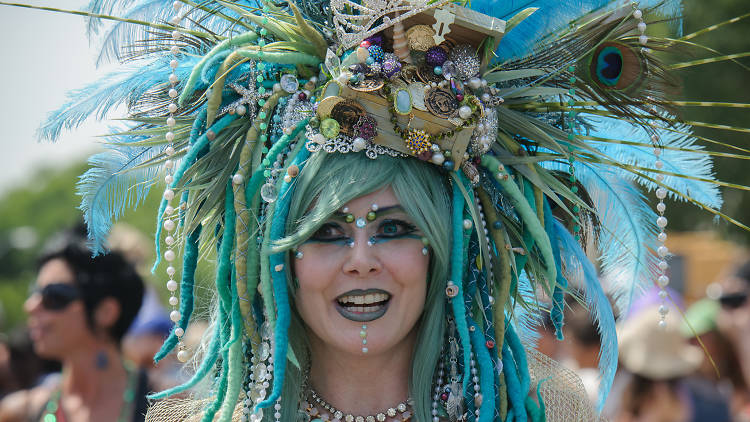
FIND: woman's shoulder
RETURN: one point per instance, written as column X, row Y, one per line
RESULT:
column 24, row 405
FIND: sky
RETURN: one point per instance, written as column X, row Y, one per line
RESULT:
column 43, row 55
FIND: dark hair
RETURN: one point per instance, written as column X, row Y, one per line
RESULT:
column 99, row 277
column 743, row 272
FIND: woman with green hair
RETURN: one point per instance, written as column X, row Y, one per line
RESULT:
column 396, row 191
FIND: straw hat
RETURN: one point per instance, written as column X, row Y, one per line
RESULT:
column 655, row 352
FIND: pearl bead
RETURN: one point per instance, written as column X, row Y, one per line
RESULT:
column 237, row 179
column 467, row 224
column 169, row 240
column 661, row 221
column 168, row 179
column 663, row 294
column 642, row 27
column 438, row 158
column 663, row 324
column 475, row 83
column 175, row 20
column 661, row 207
column 174, row 63
column 464, row 112
column 658, row 164
column 173, row 301
column 169, row 164
column 177, row 5
column 638, row 14
column 171, row 121
column 176, row 35
column 169, row 255
column 169, row 136
column 359, row 144
column 178, row 331
column 169, row 210
column 168, row 194
column 174, row 50
column 169, row 225
column 240, row 110
column 662, row 251
column 663, row 310
column 643, row 39
column 169, row 150
column 657, row 151
column 663, row 281
column 172, row 107
column 287, row 178
column 183, row 356
column 661, row 193
column 171, row 285
column 173, row 93
column 174, row 316
column 659, row 177
column 663, row 265
column 173, row 79
column 171, row 270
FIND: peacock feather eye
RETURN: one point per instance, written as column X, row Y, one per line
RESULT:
column 616, row 66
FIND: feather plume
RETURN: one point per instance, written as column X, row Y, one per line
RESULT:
column 114, row 182
column 578, row 267
column 692, row 165
column 126, row 85
column 553, row 17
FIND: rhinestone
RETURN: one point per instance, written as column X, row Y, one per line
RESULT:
column 380, row 417
column 338, row 414
column 402, row 407
column 391, row 412
column 349, row 418
column 361, row 223
column 370, row 418
column 359, row 419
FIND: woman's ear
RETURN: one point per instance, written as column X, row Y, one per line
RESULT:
column 107, row 313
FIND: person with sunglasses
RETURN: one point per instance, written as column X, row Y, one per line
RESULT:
column 79, row 310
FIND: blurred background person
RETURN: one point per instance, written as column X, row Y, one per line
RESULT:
column 78, row 312
column 658, row 380
column 20, row 367
column 733, row 323
column 581, row 348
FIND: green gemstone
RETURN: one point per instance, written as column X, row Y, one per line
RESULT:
column 263, row 31
column 363, row 333
column 261, row 43
column 261, row 91
column 259, row 78
column 571, row 159
column 262, row 114
column 267, row 173
column 264, row 138
column 371, row 216
column 265, row 151
column 330, row 128
column 349, row 218
column 572, row 178
column 576, row 208
column 265, row 20
column 572, row 91
column 266, row 163
column 571, row 136
column 578, row 237
column 571, row 102
column 50, row 418
column 263, row 126
column 571, row 68
column 260, row 54
column 261, row 102
column 576, row 228
column 574, row 189
column 572, row 79
column 447, row 154
column 572, row 114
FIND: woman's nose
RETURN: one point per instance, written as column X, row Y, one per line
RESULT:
column 363, row 260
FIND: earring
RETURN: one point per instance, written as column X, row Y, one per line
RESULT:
column 298, row 254
column 426, row 243
column 363, row 335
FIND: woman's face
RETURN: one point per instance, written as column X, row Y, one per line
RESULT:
column 374, row 275
column 57, row 317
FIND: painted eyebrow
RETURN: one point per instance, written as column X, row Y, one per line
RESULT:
column 380, row 212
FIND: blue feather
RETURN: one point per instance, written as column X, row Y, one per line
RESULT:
column 527, row 320
column 553, row 17
column 578, row 267
column 112, row 184
column 628, row 234
column 122, row 86
column 687, row 163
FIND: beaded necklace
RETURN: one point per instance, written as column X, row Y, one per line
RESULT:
column 53, row 412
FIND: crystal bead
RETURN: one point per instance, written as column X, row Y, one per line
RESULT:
column 268, row 192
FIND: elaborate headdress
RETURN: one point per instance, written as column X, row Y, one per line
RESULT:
column 545, row 119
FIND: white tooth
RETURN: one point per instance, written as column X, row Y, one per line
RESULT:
column 358, row 300
column 381, row 297
column 370, row 298
column 359, row 309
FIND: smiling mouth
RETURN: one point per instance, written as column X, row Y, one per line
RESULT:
column 363, row 305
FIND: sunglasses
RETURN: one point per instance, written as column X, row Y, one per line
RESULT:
column 733, row 300
column 57, row 296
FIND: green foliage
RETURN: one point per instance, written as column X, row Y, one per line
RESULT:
column 724, row 81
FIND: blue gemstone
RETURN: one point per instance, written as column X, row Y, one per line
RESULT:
column 361, row 223
column 448, row 165
column 438, row 70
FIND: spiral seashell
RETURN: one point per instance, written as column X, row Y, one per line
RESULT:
column 400, row 43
